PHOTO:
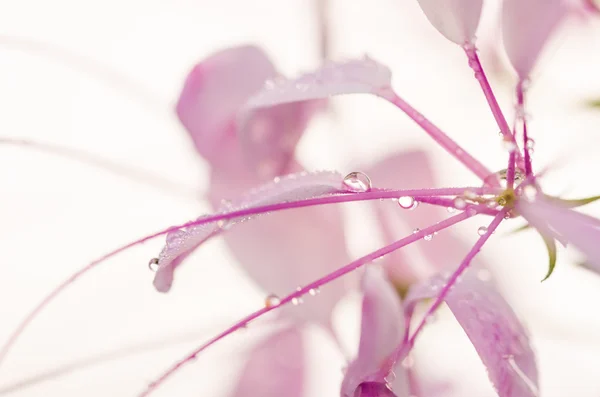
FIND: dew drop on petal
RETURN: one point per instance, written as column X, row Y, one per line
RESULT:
column 471, row 211
column 482, row 230
column 357, row 182
column 153, row 264
column 460, row 203
column 406, row 202
column 272, row 300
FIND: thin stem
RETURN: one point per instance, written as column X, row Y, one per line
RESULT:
column 438, row 135
column 93, row 160
column 330, row 199
column 312, row 286
column 459, row 271
column 475, row 64
column 521, row 115
column 511, row 169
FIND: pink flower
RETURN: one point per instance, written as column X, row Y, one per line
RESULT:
column 245, row 121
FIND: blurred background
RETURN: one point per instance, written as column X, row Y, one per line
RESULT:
column 102, row 78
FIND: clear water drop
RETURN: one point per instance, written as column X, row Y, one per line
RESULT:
column 509, row 146
column 272, row 300
column 416, row 230
column 530, row 144
column 482, row 230
column 428, row 237
column 276, row 179
column 357, row 182
column 296, row 301
column 471, row 211
column 313, row 291
column 451, row 210
column 406, row 202
column 460, row 203
column 153, row 264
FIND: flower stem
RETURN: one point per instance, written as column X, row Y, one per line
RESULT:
column 419, row 194
column 453, row 279
column 304, row 290
column 521, row 115
column 438, row 135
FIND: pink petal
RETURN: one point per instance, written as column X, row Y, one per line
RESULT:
column 382, row 331
column 457, row 20
column 213, row 94
column 373, row 389
column 527, row 25
column 359, row 76
column 275, row 367
column 578, row 229
column 495, row 331
column 273, row 249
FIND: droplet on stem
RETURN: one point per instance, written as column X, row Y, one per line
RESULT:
column 406, row 202
column 416, row 230
column 428, row 237
column 508, row 145
column 357, row 182
column 153, row 264
column 272, row 300
column 460, row 203
column 482, row 230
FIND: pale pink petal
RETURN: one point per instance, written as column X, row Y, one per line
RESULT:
column 457, row 20
column 412, row 170
column 275, row 367
column 494, row 330
column 571, row 226
column 214, row 92
column 359, row 76
column 382, row 331
column 527, row 25
column 292, row 187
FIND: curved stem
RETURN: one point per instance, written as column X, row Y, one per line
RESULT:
column 312, row 286
column 464, row 265
column 420, row 194
column 438, row 135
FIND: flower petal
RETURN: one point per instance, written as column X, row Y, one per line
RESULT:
column 359, row 76
column 214, row 92
column 578, row 229
column 373, row 389
column 494, row 330
column 382, row 331
column 292, row 187
column 527, row 25
column 275, row 367
column 457, row 20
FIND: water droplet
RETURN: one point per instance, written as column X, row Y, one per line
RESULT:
column 296, row 301
column 272, row 300
column 406, row 202
column 313, row 291
column 153, row 264
column 428, row 237
column 451, row 210
column 509, row 146
column 530, row 144
column 408, row 362
column 470, row 195
column 460, row 203
column 416, row 230
column 472, row 211
column 484, row 275
column 276, row 179
column 357, row 182
column 482, row 230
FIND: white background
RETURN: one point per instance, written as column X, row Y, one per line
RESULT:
column 102, row 77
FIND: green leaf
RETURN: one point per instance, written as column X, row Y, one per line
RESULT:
column 573, row 203
column 551, row 246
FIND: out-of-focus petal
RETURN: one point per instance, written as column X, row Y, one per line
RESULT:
column 457, row 20
column 573, row 227
column 426, row 257
column 275, row 367
column 527, row 25
column 292, row 187
column 373, row 389
column 494, row 330
column 382, row 331
column 359, row 76
column 213, row 94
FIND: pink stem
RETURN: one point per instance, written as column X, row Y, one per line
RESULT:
column 523, row 118
column 438, row 135
column 475, row 64
column 510, row 170
column 330, row 199
column 459, row 271
column 314, row 285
